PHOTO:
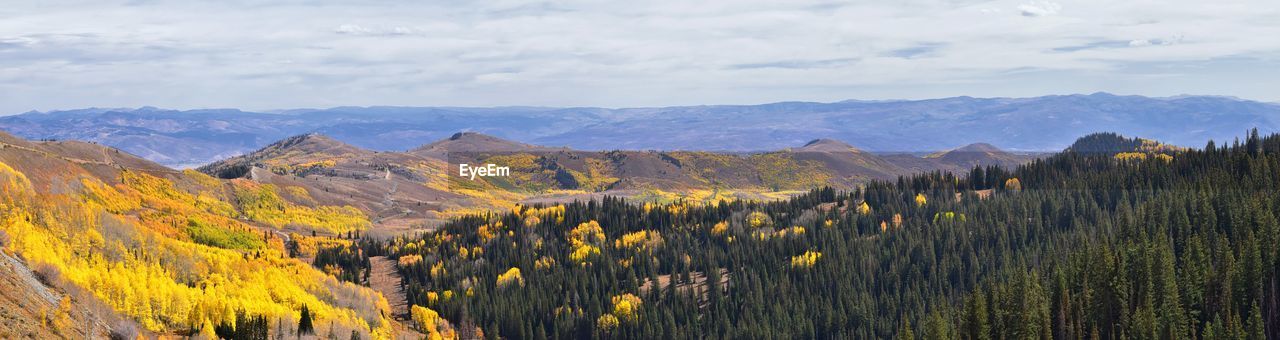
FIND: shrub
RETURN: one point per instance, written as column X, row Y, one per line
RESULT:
column 48, row 274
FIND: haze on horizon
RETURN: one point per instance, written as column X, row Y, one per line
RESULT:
column 254, row 55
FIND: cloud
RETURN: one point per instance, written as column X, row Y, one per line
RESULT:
column 580, row 52
column 353, row 29
column 1156, row 42
column 796, row 64
column 1039, row 9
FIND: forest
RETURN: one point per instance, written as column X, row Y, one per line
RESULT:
column 1091, row 243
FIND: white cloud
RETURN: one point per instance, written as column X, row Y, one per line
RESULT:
column 1040, row 8
column 352, row 29
column 579, row 52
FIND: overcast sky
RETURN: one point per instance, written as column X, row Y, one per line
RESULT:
column 623, row 54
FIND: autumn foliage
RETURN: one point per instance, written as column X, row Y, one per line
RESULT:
column 172, row 259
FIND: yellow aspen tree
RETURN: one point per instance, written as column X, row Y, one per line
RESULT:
column 1013, row 184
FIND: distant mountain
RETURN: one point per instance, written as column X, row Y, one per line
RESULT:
column 1050, row 123
column 474, row 142
column 976, row 154
column 352, row 172
column 827, row 145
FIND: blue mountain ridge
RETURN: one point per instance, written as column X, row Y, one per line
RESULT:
column 1049, row 123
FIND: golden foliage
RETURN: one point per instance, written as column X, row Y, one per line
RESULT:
column 1141, row 156
column 299, row 194
column 607, row 322
column 205, row 181
column 409, row 261
column 864, row 209
column 108, row 197
column 584, row 240
column 544, row 262
column 1131, row 156
column 720, row 228
column 806, row 260
column 532, row 221
column 582, row 254
column 14, row 181
column 262, row 203
column 921, row 200
column 644, row 240
column 778, row 171
column 428, row 321
column 758, row 219
column 512, row 276
column 485, row 232
column 308, row 245
column 626, row 307
column 1152, row 146
column 586, row 233
column 1013, row 184
column 597, row 176
column 793, row 231
column 146, row 266
column 534, row 216
column 438, row 271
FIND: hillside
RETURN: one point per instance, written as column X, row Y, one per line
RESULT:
column 31, row 309
column 816, row 163
column 1074, row 245
column 398, row 191
column 170, row 251
column 403, row 191
column 1045, row 124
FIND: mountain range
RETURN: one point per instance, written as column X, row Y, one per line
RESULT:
column 402, row 190
column 196, row 137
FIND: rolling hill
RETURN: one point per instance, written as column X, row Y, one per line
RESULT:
column 403, row 191
column 398, row 191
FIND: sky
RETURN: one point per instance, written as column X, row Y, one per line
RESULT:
column 314, row 54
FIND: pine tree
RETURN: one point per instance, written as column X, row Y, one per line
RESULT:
column 304, row 322
column 1257, row 330
column 976, row 315
column 905, row 332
